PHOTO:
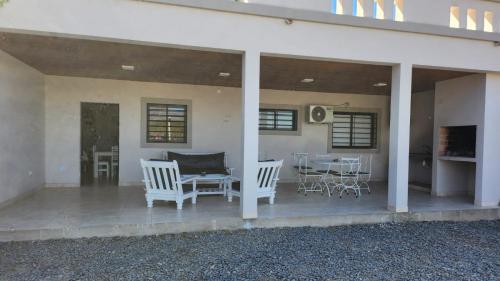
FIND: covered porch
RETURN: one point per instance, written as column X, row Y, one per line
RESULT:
column 223, row 95
column 119, row 211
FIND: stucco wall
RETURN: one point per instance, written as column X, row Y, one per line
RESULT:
column 204, row 28
column 216, row 124
column 21, row 128
column 436, row 12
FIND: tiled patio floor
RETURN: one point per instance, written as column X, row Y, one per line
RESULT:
column 66, row 212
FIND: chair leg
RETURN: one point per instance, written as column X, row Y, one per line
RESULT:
column 367, row 186
column 230, row 190
column 150, row 203
column 271, row 200
column 179, row 205
column 193, row 199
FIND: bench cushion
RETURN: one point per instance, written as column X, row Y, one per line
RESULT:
column 195, row 164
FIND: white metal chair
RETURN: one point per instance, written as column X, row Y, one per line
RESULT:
column 267, row 178
column 115, row 159
column 365, row 173
column 348, row 175
column 162, row 181
column 308, row 180
column 102, row 166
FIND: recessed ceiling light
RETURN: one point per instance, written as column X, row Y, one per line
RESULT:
column 380, row 84
column 224, row 74
column 307, row 80
column 128, row 67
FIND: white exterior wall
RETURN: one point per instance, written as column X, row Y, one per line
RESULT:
column 216, row 124
column 314, row 139
column 436, row 12
column 315, row 5
column 21, row 128
column 201, row 28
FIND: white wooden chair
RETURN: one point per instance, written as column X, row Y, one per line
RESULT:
column 163, row 181
column 267, row 177
column 115, row 159
column 102, row 166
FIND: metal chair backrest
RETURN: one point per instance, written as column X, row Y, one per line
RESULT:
column 268, row 175
column 349, row 170
column 366, row 164
column 162, row 177
column 301, row 159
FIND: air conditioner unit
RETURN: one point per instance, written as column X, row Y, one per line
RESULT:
column 320, row 114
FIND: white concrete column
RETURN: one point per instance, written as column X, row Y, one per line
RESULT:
column 399, row 146
column 480, row 19
column 463, row 16
column 487, row 191
column 250, row 133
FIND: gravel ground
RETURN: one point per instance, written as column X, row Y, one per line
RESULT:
column 415, row 251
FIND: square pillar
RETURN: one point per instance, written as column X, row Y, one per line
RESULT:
column 399, row 147
column 389, row 9
column 348, row 7
column 480, row 19
column 463, row 16
column 250, row 134
column 487, row 191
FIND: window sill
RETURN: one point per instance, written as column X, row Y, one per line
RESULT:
column 166, row 145
column 279, row 133
column 354, row 150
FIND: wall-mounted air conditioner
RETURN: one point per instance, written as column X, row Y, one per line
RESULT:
column 320, row 114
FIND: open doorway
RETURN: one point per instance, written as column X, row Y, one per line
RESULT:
column 99, row 144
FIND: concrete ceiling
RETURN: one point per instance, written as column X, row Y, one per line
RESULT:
column 98, row 59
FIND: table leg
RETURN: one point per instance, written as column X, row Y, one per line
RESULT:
column 195, row 193
column 95, row 166
column 229, row 190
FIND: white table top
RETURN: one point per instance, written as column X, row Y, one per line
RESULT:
column 326, row 161
column 206, row 177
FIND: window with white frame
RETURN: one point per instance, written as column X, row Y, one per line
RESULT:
column 337, row 7
column 471, row 19
column 454, row 17
column 488, row 21
column 378, row 9
column 398, row 12
column 354, row 130
column 358, row 8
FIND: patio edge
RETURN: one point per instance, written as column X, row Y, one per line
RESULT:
column 127, row 230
